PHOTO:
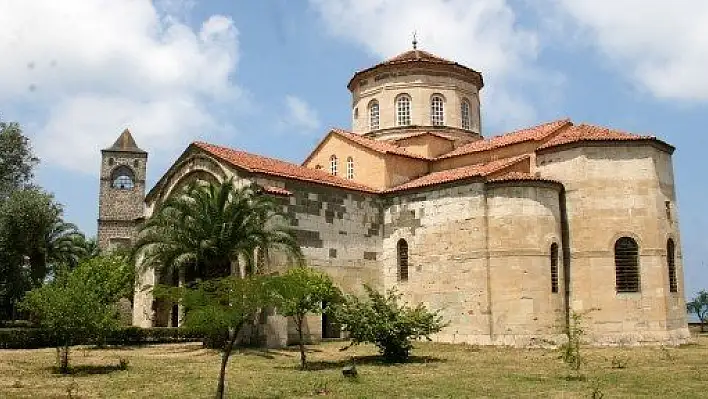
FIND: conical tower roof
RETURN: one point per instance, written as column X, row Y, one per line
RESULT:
column 125, row 143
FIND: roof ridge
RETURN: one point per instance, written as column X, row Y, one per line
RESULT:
column 506, row 139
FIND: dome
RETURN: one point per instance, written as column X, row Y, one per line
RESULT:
column 416, row 91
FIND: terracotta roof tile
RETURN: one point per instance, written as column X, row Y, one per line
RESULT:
column 445, row 176
column 519, row 176
column 584, row 132
column 535, row 133
column 276, row 190
column 418, row 134
column 416, row 55
column 376, row 145
column 270, row 166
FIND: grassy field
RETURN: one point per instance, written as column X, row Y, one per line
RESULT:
column 436, row 371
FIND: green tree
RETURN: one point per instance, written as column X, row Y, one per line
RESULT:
column 221, row 304
column 16, row 159
column 207, row 228
column 79, row 305
column 699, row 307
column 391, row 326
column 301, row 291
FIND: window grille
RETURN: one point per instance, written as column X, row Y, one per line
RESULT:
column 437, row 111
column 333, row 165
column 374, row 115
column 554, row 267
column 402, row 260
column 627, row 265
column 403, row 110
column 671, row 263
column 350, row 168
column 123, row 178
column 465, row 113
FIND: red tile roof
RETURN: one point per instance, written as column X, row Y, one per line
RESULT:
column 383, row 147
column 276, row 191
column 417, row 56
column 465, row 172
column 424, row 134
column 535, row 133
column 270, row 166
column 519, row 176
column 584, row 132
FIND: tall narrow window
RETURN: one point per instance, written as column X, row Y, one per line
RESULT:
column 402, row 260
column 403, row 110
column 350, row 168
column 373, row 115
column 465, row 114
column 333, row 165
column 627, row 265
column 554, row 267
column 671, row 263
column 437, row 111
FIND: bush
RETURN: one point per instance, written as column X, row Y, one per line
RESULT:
column 385, row 323
column 33, row 338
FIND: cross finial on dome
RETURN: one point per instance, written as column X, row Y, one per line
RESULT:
column 415, row 41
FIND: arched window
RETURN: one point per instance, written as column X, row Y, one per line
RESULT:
column 123, row 178
column 403, row 110
column 333, row 165
column 402, row 249
column 465, row 114
column 350, row 168
column 554, row 267
column 627, row 265
column 373, row 115
column 437, row 110
column 671, row 263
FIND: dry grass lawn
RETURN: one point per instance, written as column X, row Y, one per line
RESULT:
column 437, row 371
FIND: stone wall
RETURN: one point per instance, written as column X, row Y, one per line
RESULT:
column 614, row 191
column 524, row 220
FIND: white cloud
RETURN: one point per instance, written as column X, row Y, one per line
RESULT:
column 660, row 45
column 82, row 71
column 482, row 34
column 300, row 115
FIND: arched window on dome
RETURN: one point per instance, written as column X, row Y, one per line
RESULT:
column 373, row 115
column 465, row 114
column 350, row 168
column 333, row 165
column 437, row 110
column 671, row 263
column 123, row 178
column 403, row 110
column 627, row 265
column 554, row 267
column 402, row 257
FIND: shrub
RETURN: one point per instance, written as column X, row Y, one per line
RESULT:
column 381, row 320
column 34, row 338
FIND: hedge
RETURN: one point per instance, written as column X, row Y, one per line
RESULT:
column 33, row 338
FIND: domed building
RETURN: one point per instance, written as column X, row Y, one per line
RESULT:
column 507, row 236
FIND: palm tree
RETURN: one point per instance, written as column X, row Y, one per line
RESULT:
column 58, row 248
column 209, row 228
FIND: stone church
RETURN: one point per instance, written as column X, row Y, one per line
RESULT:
column 505, row 235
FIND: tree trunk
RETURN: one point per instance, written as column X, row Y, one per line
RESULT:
column 703, row 325
column 224, row 361
column 299, row 319
column 64, row 361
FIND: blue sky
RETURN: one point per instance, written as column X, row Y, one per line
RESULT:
column 270, row 77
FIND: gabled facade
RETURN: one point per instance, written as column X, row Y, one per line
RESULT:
column 507, row 236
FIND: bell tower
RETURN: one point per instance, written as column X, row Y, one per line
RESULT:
column 121, row 206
